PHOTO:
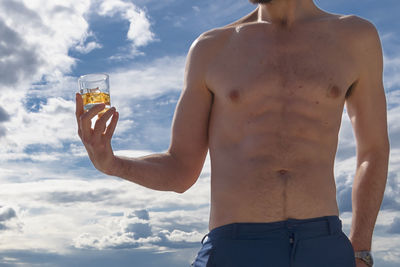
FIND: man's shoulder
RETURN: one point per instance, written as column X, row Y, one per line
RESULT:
column 361, row 39
column 216, row 37
column 358, row 33
column 356, row 27
column 221, row 34
column 356, row 23
column 211, row 40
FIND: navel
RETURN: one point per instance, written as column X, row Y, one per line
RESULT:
column 283, row 173
column 283, row 23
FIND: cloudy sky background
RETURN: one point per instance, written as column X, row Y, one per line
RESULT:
column 55, row 208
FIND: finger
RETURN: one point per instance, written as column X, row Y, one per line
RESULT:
column 78, row 110
column 78, row 106
column 111, row 127
column 91, row 113
column 100, row 125
column 86, row 120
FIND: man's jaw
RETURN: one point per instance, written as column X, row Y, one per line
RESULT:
column 260, row 1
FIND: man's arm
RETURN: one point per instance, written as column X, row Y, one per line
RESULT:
column 179, row 167
column 366, row 107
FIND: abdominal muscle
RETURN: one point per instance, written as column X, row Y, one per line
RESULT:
column 246, row 191
column 267, row 171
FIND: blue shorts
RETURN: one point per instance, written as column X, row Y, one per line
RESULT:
column 314, row 242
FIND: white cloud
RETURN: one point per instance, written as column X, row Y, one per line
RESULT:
column 37, row 36
column 87, row 43
column 139, row 32
column 48, row 30
column 181, row 236
column 157, row 77
column 394, row 118
column 196, row 8
column 88, row 47
column 112, row 213
column 7, row 213
column 132, row 153
column 134, row 232
column 9, row 221
column 392, row 70
column 50, row 126
column 17, row 60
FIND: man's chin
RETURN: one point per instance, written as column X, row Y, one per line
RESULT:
column 260, row 1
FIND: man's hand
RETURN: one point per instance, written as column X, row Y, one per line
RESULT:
column 97, row 140
column 360, row 263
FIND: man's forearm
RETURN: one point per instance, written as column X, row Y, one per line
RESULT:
column 157, row 171
column 367, row 194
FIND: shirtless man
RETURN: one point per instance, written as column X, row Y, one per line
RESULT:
column 265, row 96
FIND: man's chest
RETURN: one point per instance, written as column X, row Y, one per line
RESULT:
column 310, row 66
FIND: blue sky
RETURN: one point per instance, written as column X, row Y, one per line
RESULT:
column 55, row 208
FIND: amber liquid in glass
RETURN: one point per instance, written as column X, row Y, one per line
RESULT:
column 96, row 97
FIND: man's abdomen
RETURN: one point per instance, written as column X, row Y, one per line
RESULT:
column 264, row 189
column 271, row 165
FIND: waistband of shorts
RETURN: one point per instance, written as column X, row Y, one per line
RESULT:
column 305, row 227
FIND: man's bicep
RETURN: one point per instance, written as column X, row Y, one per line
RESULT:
column 366, row 104
column 189, row 140
column 368, row 118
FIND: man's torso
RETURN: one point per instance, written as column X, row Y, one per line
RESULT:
column 278, row 97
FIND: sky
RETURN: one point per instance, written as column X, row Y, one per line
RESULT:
column 56, row 209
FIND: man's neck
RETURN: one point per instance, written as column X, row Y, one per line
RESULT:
column 285, row 13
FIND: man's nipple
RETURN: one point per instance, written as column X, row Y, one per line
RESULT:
column 234, row 95
column 333, row 92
